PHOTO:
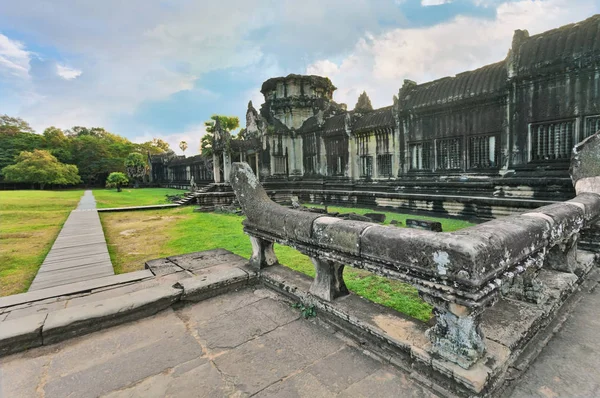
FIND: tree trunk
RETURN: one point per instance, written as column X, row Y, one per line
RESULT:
column 118, row 187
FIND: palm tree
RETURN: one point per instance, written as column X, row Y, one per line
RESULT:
column 183, row 146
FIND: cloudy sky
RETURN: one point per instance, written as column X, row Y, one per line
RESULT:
column 159, row 68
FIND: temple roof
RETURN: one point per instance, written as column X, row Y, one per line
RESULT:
column 568, row 43
column 488, row 80
column 378, row 118
column 335, row 124
column 180, row 160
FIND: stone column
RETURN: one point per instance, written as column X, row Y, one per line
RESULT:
column 329, row 279
column 456, row 336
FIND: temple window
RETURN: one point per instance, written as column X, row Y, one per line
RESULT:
column 448, row 154
column 420, row 155
column 384, row 165
column 551, row 141
column 483, row 152
column 592, row 125
column 310, row 154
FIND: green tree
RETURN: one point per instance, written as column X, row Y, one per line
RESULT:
column 116, row 180
column 183, row 146
column 206, row 145
column 13, row 125
column 136, row 167
column 228, row 124
column 41, row 167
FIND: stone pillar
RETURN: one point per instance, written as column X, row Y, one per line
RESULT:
column 216, row 163
column 226, row 166
column 329, row 279
column 322, row 167
column 353, row 165
column 456, row 336
column 257, row 169
column 263, row 254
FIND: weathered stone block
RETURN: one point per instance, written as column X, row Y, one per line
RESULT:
column 200, row 287
column 434, row 226
column 298, row 225
column 568, row 217
column 343, row 235
column 590, row 202
column 162, row 266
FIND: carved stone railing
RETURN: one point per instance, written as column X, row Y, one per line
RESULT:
column 459, row 273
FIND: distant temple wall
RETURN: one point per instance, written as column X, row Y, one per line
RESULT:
column 518, row 118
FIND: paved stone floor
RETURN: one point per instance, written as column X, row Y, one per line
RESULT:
column 245, row 343
column 79, row 252
column 569, row 366
column 251, row 343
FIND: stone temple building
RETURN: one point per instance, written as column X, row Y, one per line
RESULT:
column 506, row 129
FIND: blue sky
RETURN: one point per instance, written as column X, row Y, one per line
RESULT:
column 159, row 68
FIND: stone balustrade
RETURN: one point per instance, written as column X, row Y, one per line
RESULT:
column 459, row 273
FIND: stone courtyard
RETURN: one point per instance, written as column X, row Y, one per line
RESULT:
column 251, row 342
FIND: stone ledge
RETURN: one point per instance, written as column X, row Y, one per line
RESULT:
column 86, row 318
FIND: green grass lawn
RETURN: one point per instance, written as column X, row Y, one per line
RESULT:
column 135, row 237
column 133, row 196
column 29, row 224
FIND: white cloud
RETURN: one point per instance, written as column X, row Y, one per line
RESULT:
column 426, row 3
column 191, row 135
column 323, row 68
column 379, row 63
column 14, row 59
column 66, row 72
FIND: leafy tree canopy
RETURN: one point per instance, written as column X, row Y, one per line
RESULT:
column 116, row 180
column 40, row 167
column 14, row 125
column 228, row 123
column 135, row 165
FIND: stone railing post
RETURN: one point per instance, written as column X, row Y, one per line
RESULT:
column 329, row 279
column 563, row 256
column 456, row 336
column 263, row 254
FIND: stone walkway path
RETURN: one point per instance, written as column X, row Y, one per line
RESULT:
column 79, row 252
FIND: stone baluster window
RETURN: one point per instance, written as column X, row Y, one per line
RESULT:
column 483, row 151
column 592, row 125
column 365, row 159
column 279, row 160
column 384, row 157
column 310, row 153
column 551, row 141
column 448, row 154
column 337, row 155
column 420, row 155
